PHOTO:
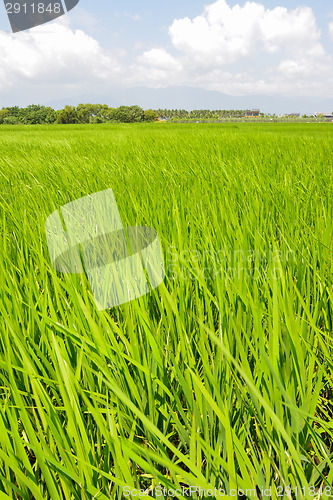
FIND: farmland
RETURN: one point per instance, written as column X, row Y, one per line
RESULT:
column 222, row 377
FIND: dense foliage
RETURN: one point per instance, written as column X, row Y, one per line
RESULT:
column 83, row 113
column 102, row 113
column 204, row 114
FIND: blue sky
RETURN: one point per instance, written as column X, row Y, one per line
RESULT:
column 224, row 53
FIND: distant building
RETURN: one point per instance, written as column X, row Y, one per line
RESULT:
column 254, row 112
column 323, row 115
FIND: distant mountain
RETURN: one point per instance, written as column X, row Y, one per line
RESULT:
column 171, row 98
column 193, row 98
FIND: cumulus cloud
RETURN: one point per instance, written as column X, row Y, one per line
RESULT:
column 283, row 44
column 53, row 53
column 156, row 66
column 224, row 34
column 239, row 50
column 330, row 27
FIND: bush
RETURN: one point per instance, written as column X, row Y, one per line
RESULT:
column 128, row 114
column 4, row 112
column 150, row 115
column 11, row 120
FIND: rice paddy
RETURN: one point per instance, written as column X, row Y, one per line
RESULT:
column 222, row 377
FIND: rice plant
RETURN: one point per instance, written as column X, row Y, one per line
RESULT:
column 221, row 378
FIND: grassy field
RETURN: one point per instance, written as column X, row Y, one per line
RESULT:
column 220, row 378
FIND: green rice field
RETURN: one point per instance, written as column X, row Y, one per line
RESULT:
column 221, row 379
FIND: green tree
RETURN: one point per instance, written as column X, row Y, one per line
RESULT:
column 4, row 112
column 91, row 113
column 129, row 114
column 11, row 120
column 36, row 114
column 150, row 115
column 13, row 110
column 68, row 115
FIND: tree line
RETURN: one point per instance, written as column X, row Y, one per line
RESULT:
column 101, row 113
column 203, row 114
column 35, row 114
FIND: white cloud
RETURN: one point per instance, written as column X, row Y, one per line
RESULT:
column 282, row 45
column 134, row 17
column 237, row 50
column 224, row 34
column 156, row 66
column 160, row 59
column 53, row 53
column 330, row 27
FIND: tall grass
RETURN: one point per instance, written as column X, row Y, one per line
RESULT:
column 221, row 377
